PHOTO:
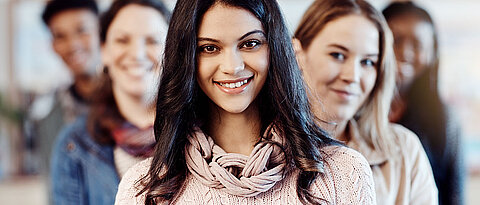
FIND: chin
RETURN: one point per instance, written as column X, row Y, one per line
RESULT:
column 234, row 109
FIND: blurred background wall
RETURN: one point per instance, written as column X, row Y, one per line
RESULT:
column 29, row 68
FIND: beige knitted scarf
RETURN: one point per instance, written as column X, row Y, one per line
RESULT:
column 215, row 168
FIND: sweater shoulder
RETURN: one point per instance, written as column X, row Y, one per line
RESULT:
column 131, row 184
column 347, row 177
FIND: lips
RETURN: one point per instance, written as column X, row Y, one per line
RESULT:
column 233, row 86
column 344, row 94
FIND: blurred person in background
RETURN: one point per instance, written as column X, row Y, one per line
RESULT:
column 418, row 105
column 345, row 50
column 91, row 155
column 73, row 25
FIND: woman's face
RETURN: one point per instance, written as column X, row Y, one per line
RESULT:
column 339, row 67
column 413, row 46
column 133, row 46
column 76, row 40
column 233, row 57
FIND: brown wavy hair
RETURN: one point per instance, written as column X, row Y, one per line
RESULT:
column 104, row 114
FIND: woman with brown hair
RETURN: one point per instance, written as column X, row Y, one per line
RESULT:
column 344, row 48
column 92, row 154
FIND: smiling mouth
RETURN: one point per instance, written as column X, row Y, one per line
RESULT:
column 233, row 84
column 344, row 93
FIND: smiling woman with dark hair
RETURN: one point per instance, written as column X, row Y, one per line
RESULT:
column 233, row 123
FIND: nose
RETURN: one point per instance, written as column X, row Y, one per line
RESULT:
column 137, row 50
column 73, row 43
column 351, row 72
column 232, row 62
column 405, row 52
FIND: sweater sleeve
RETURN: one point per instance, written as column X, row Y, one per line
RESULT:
column 128, row 187
column 423, row 188
column 349, row 175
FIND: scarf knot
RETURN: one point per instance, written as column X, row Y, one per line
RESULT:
column 234, row 173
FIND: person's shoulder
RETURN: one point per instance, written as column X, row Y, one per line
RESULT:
column 347, row 175
column 139, row 170
column 70, row 132
column 342, row 155
column 405, row 138
column 131, row 183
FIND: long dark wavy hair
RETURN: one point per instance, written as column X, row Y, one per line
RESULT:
column 182, row 105
column 104, row 114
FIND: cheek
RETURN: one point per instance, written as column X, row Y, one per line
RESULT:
column 320, row 71
column 368, row 81
column 114, row 73
column 114, row 54
column 203, row 71
column 59, row 47
column 154, row 53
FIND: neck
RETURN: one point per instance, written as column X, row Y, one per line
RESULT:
column 235, row 133
column 83, row 85
column 335, row 127
column 336, row 130
column 134, row 109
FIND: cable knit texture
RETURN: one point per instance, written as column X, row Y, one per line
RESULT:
column 347, row 178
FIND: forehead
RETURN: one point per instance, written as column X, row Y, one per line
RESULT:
column 72, row 17
column 222, row 21
column 351, row 31
column 409, row 25
column 138, row 19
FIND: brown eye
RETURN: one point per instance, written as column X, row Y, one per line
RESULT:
column 121, row 40
column 152, row 41
column 250, row 44
column 208, row 49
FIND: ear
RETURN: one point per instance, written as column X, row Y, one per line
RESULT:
column 299, row 53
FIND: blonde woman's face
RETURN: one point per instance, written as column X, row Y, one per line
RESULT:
column 340, row 65
column 132, row 49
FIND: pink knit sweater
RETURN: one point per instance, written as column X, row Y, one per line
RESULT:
column 347, row 180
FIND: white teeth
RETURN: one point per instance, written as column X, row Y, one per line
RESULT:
column 234, row 85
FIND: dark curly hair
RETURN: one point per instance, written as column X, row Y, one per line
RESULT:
column 54, row 7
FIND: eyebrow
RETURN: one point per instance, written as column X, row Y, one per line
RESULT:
column 241, row 38
column 346, row 49
column 339, row 47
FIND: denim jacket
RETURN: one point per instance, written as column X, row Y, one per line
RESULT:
column 82, row 171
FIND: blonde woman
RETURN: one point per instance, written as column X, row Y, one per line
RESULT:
column 344, row 49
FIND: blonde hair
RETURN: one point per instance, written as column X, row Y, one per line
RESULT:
column 372, row 117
